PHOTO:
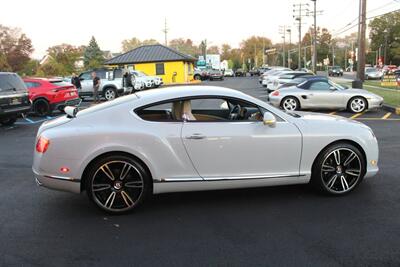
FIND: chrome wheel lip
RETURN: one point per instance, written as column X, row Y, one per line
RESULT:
column 117, row 188
column 358, row 105
column 289, row 104
column 338, row 175
column 109, row 94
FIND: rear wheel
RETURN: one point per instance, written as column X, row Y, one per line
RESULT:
column 338, row 169
column 197, row 77
column 8, row 121
column 290, row 103
column 41, row 107
column 118, row 183
column 110, row 93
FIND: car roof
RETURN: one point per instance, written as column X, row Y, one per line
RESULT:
column 165, row 93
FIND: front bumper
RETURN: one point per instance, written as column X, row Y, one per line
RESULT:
column 61, row 183
column 375, row 103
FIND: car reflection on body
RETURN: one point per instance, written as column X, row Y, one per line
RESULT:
column 197, row 138
column 321, row 93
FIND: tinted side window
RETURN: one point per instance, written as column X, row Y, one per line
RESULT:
column 86, row 76
column 167, row 112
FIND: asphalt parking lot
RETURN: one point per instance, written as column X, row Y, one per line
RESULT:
column 276, row 226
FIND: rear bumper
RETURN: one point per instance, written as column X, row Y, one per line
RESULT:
column 9, row 112
column 61, row 183
column 63, row 104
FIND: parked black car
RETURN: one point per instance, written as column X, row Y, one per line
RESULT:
column 335, row 71
column 216, row 75
column 240, row 73
column 14, row 98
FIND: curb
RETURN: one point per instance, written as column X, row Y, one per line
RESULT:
column 391, row 109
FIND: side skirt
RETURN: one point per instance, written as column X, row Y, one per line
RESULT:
column 196, row 184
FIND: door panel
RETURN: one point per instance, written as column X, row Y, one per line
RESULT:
column 242, row 149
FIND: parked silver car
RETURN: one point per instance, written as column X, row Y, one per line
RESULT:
column 197, row 138
column 373, row 74
column 321, row 93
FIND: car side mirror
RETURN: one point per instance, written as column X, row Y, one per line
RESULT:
column 269, row 119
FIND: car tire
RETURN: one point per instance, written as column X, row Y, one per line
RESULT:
column 109, row 93
column 357, row 104
column 338, row 169
column 41, row 107
column 197, row 77
column 290, row 103
column 118, row 183
column 8, row 121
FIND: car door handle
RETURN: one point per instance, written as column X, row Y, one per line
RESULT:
column 196, row 136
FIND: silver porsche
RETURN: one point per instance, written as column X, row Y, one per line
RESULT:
column 322, row 93
column 197, row 138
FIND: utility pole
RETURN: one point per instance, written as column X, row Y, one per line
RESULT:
column 282, row 30
column 333, row 53
column 290, row 47
column 165, row 31
column 361, row 40
column 299, row 8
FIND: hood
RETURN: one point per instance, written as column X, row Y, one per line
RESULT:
column 321, row 117
column 362, row 92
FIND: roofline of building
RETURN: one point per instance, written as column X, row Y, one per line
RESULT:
column 187, row 58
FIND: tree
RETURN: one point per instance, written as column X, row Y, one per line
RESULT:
column 3, row 63
column 30, row 68
column 253, row 50
column 134, row 42
column 213, row 49
column 15, row 48
column 225, row 51
column 93, row 56
column 66, row 55
column 184, row 46
column 384, row 34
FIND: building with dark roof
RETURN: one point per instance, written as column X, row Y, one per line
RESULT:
column 171, row 65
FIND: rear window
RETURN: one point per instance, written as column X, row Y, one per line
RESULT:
column 60, row 83
column 11, row 81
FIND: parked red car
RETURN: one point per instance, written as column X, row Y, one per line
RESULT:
column 48, row 95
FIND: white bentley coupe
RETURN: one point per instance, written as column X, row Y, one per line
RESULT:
column 197, row 138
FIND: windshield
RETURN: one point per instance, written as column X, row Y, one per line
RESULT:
column 337, row 86
column 140, row 74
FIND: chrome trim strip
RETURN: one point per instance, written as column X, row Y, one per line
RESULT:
column 212, row 179
column 70, row 179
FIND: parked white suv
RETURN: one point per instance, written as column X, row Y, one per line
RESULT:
column 148, row 81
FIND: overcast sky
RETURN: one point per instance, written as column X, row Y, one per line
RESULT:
column 52, row 22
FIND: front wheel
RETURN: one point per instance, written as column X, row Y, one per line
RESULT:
column 118, row 183
column 357, row 104
column 290, row 104
column 338, row 169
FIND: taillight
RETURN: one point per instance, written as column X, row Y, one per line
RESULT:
column 275, row 93
column 42, row 144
